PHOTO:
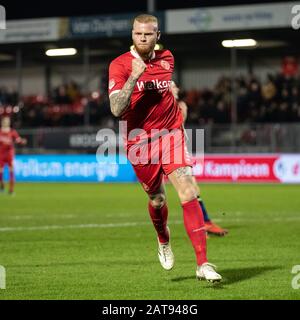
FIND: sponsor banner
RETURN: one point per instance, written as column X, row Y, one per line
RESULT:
column 248, row 168
column 287, row 168
column 117, row 25
column 31, row 30
column 70, row 168
column 242, row 17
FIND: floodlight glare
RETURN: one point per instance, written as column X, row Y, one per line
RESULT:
column 61, row 52
column 239, row 43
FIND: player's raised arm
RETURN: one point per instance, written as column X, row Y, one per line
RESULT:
column 119, row 101
column 18, row 139
column 21, row 141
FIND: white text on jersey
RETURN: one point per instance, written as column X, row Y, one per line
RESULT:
column 153, row 85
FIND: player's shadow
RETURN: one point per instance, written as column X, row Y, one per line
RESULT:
column 240, row 274
column 236, row 275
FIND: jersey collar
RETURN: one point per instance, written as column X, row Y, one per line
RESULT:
column 136, row 55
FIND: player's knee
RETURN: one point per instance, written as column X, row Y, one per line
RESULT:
column 158, row 201
column 197, row 189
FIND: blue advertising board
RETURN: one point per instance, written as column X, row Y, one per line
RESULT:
column 71, row 168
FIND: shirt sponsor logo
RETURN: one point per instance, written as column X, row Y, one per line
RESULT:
column 153, row 85
column 165, row 64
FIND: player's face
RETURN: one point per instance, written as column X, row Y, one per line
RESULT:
column 144, row 37
column 5, row 123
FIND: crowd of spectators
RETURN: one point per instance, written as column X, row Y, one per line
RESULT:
column 65, row 106
column 275, row 99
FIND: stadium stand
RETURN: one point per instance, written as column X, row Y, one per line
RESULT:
column 274, row 99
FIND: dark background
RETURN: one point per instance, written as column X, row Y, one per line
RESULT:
column 54, row 8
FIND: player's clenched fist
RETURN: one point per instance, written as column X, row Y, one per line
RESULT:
column 138, row 67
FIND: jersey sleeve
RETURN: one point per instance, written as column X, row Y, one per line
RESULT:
column 171, row 60
column 16, row 137
column 117, row 77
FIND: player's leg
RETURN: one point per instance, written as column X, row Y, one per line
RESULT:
column 11, row 179
column 210, row 226
column 184, row 183
column 1, row 177
column 151, row 179
column 158, row 211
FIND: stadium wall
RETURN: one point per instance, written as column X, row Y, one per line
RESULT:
column 34, row 77
column 35, row 80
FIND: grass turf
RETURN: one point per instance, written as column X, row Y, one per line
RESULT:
column 61, row 241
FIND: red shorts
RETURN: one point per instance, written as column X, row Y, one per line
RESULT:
column 166, row 154
column 6, row 159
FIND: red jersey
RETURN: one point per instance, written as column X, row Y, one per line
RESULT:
column 7, row 140
column 152, row 104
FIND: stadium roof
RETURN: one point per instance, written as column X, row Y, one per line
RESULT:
column 277, row 42
column 53, row 8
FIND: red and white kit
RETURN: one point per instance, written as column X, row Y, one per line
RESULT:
column 7, row 149
column 152, row 108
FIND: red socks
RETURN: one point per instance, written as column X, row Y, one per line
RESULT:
column 159, row 218
column 11, row 181
column 194, row 226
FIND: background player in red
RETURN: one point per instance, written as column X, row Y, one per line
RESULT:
column 210, row 226
column 8, row 137
column 139, row 91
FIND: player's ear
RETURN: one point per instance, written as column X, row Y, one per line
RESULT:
column 158, row 35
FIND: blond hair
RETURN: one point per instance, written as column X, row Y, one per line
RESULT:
column 146, row 18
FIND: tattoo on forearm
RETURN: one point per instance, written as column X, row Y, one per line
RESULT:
column 183, row 171
column 120, row 101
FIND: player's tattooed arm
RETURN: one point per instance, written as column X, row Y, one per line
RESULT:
column 183, row 171
column 119, row 102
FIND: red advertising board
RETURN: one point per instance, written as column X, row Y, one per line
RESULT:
column 248, row 168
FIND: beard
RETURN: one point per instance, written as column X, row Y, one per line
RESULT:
column 144, row 50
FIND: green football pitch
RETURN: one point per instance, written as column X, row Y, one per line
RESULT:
column 96, row 241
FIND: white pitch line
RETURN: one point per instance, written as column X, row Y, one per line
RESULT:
column 134, row 224
column 79, row 226
column 24, row 217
